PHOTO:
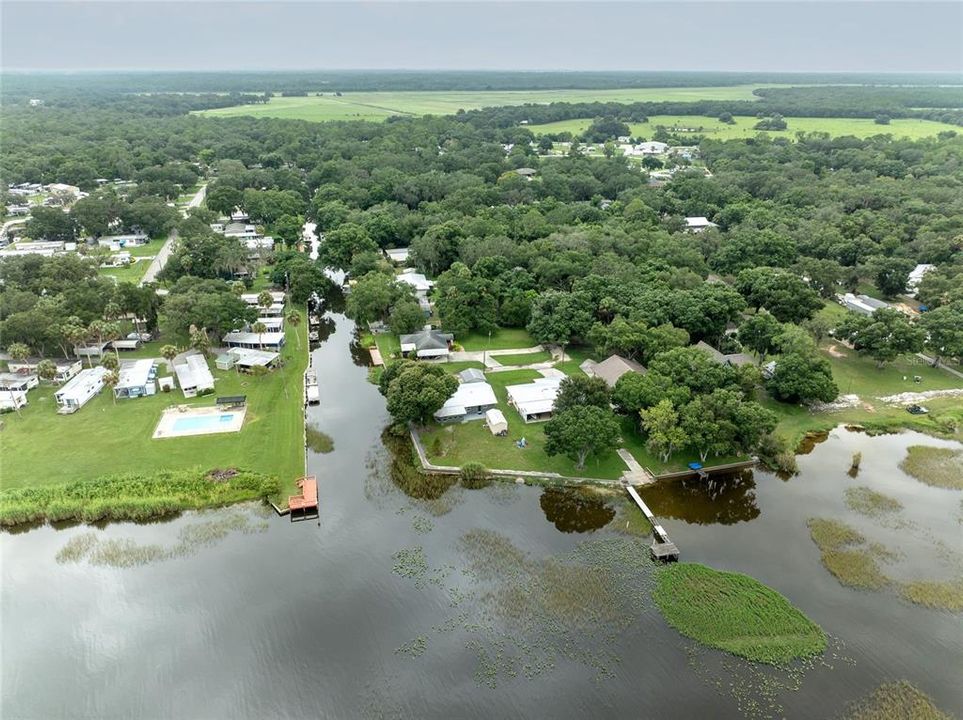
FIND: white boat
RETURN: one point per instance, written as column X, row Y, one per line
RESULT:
column 312, row 394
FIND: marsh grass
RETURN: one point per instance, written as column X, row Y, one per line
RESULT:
column 939, row 467
column 867, row 501
column 847, row 555
column 318, row 441
column 132, row 496
column 126, row 552
column 896, row 701
column 735, row 613
column 940, row 595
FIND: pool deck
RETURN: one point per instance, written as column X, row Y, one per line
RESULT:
column 166, row 427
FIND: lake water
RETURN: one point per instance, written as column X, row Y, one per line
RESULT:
column 386, row 608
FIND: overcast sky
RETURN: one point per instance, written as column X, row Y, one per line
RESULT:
column 777, row 35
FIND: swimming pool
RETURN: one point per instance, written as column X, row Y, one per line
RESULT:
column 202, row 422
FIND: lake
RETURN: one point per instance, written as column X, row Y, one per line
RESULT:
column 409, row 598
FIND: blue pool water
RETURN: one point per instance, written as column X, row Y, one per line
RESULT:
column 201, row 422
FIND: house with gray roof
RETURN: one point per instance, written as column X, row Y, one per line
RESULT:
column 732, row 359
column 428, row 343
column 612, row 368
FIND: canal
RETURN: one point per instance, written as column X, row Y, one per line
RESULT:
column 409, row 598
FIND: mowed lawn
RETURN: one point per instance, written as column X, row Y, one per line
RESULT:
column 523, row 358
column 710, row 127
column 858, row 375
column 461, row 443
column 104, row 439
column 379, row 105
column 502, row 339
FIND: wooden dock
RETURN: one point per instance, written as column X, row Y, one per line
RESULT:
column 662, row 548
column 305, row 505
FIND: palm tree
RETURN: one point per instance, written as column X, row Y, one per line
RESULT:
column 110, row 362
column 46, row 370
column 294, row 319
column 259, row 328
column 199, row 340
column 76, row 334
column 265, row 300
column 110, row 380
column 19, row 352
column 169, row 352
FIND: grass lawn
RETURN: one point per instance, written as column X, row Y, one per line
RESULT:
column 503, row 339
column 461, row 443
column 523, row 358
column 859, row 375
column 103, row 438
column 133, row 273
column 379, row 105
column 457, row 367
column 710, row 127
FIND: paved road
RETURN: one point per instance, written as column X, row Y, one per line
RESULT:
column 160, row 259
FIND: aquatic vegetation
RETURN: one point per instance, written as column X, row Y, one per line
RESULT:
column 847, row 555
column 939, row 467
column 410, row 563
column 132, row 496
column 867, row 501
column 126, row 552
column 414, row 648
column 421, row 524
column 896, row 701
column 735, row 613
column 318, row 441
column 934, row 594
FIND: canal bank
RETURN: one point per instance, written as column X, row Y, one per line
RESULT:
column 387, row 609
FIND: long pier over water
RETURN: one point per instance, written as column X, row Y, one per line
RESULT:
column 662, row 548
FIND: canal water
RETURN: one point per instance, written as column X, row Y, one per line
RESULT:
column 421, row 599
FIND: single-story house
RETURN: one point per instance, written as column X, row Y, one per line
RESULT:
column 12, row 400
column 66, row 369
column 397, row 255
column 255, row 341
column 193, row 374
column 471, row 375
column 239, row 215
column 136, row 379
column 44, row 248
column 526, row 172
column 19, row 382
column 916, row 275
column 245, row 359
column 732, row 359
column 119, row 242
column 469, row 402
column 862, row 304
column 419, row 282
column 652, row 147
column 258, row 242
column 698, row 224
column 612, row 368
column 239, row 230
column 81, row 388
column 96, row 350
column 277, row 297
column 273, row 324
column 121, row 259
column 427, row 344
column 535, row 400
column 18, row 210
column 496, row 422
column 769, row 369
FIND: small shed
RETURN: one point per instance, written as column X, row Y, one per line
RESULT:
column 496, row 422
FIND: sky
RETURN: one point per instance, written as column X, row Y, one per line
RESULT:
column 775, row 36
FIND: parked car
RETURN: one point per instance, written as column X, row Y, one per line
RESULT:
column 917, row 410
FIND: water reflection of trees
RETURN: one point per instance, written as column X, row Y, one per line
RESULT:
column 722, row 499
column 573, row 510
column 409, row 479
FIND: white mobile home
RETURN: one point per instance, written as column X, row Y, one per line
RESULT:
column 255, row 341
column 469, row 402
column 136, row 379
column 76, row 393
column 12, row 400
column 535, row 400
column 193, row 375
column 66, row 369
column 20, row 382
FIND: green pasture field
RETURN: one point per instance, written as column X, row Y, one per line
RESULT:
column 379, row 105
column 710, row 127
